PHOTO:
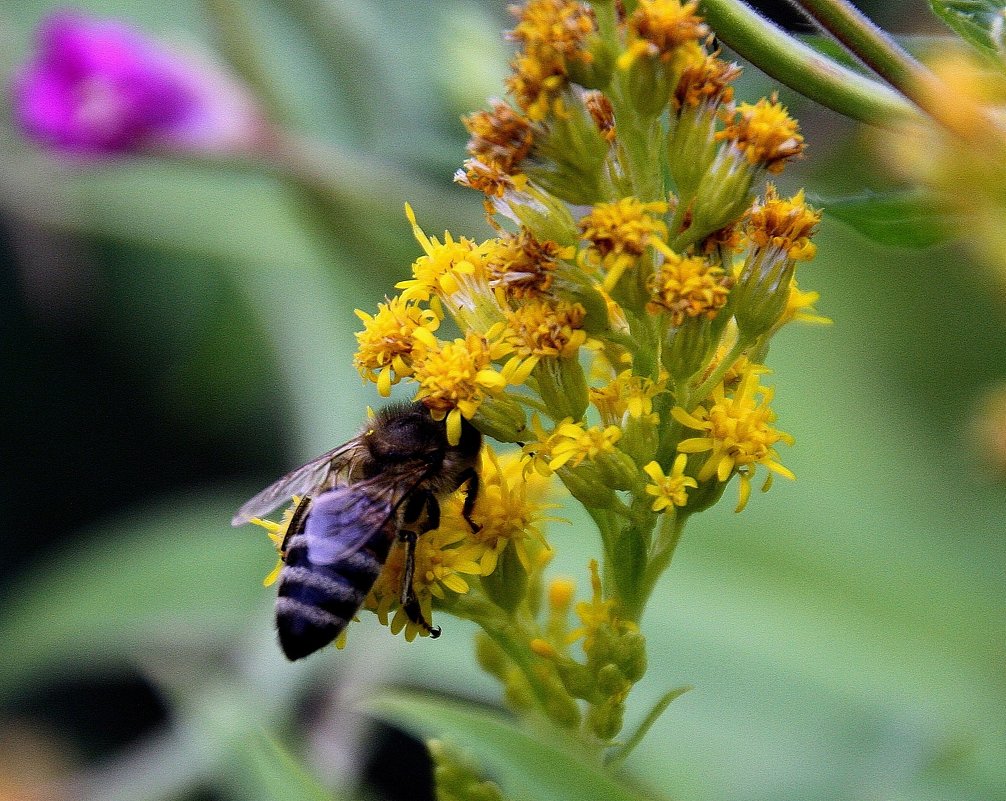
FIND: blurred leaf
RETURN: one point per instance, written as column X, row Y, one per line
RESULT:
column 171, row 578
column 979, row 21
column 264, row 770
column 524, row 762
column 909, row 218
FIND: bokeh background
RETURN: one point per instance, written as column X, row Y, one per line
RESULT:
column 176, row 335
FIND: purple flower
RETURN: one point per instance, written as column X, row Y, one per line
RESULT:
column 101, row 86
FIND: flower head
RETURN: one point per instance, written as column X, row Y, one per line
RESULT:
column 620, row 232
column 660, row 27
column 454, row 377
column 501, row 138
column 784, row 224
column 688, row 287
column 99, row 86
column 384, row 353
column 669, row 490
column 738, row 434
column 444, row 557
column 765, row 133
column 553, row 35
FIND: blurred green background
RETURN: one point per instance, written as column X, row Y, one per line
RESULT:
column 177, row 335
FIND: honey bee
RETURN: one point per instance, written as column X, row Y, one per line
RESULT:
column 383, row 486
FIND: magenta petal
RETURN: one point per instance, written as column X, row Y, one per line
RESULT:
column 102, row 86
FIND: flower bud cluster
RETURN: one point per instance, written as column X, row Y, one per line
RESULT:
column 614, row 329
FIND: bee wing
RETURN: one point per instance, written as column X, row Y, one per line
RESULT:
column 342, row 520
column 301, row 481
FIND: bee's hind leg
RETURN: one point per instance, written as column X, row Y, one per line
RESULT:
column 410, row 603
column 472, row 477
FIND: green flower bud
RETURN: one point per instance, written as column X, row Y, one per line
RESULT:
column 576, row 678
column 649, row 82
column 501, row 418
column 630, row 655
column 638, row 445
column 605, row 720
column 724, row 193
column 611, row 680
column 762, row 291
column 560, row 707
column 562, row 387
column 457, row 778
column 689, row 346
column 491, row 658
column 586, row 484
column 617, row 469
column 506, row 586
column 567, row 160
column 548, row 217
column 594, row 73
column 691, row 148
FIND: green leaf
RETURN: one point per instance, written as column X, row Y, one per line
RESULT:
column 524, row 762
column 163, row 579
column 264, row 770
column 910, row 218
column 980, row 22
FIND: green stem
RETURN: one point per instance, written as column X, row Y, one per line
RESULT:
column 695, row 398
column 889, row 60
column 808, row 72
column 500, row 631
column 671, row 529
column 240, row 46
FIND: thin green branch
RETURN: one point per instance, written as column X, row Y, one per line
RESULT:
column 891, row 62
column 618, row 756
column 801, row 68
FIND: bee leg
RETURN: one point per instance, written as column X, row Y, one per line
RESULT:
column 410, row 603
column 472, row 477
column 296, row 524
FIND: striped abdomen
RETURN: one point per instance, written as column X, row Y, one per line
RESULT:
column 331, row 564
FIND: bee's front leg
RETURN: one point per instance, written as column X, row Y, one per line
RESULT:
column 410, row 603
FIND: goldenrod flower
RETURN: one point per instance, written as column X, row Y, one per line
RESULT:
column 524, row 267
column 444, row 557
column 384, row 355
column 626, row 392
column 509, row 510
column 277, row 533
column 596, row 614
column 800, row 308
column 553, row 34
column 453, row 378
column 764, row 133
column 501, row 138
column 669, row 490
column 620, row 232
column 687, row 287
column 491, row 181
column 739, row 434
column 571, row 443
column 544, row 328
column 786, row 225
column 705, row 80
column 658, row 28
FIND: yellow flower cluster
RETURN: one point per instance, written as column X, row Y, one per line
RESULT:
column 613, row 329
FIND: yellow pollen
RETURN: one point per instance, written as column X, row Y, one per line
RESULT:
column 784, row 224
column 687, row 287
